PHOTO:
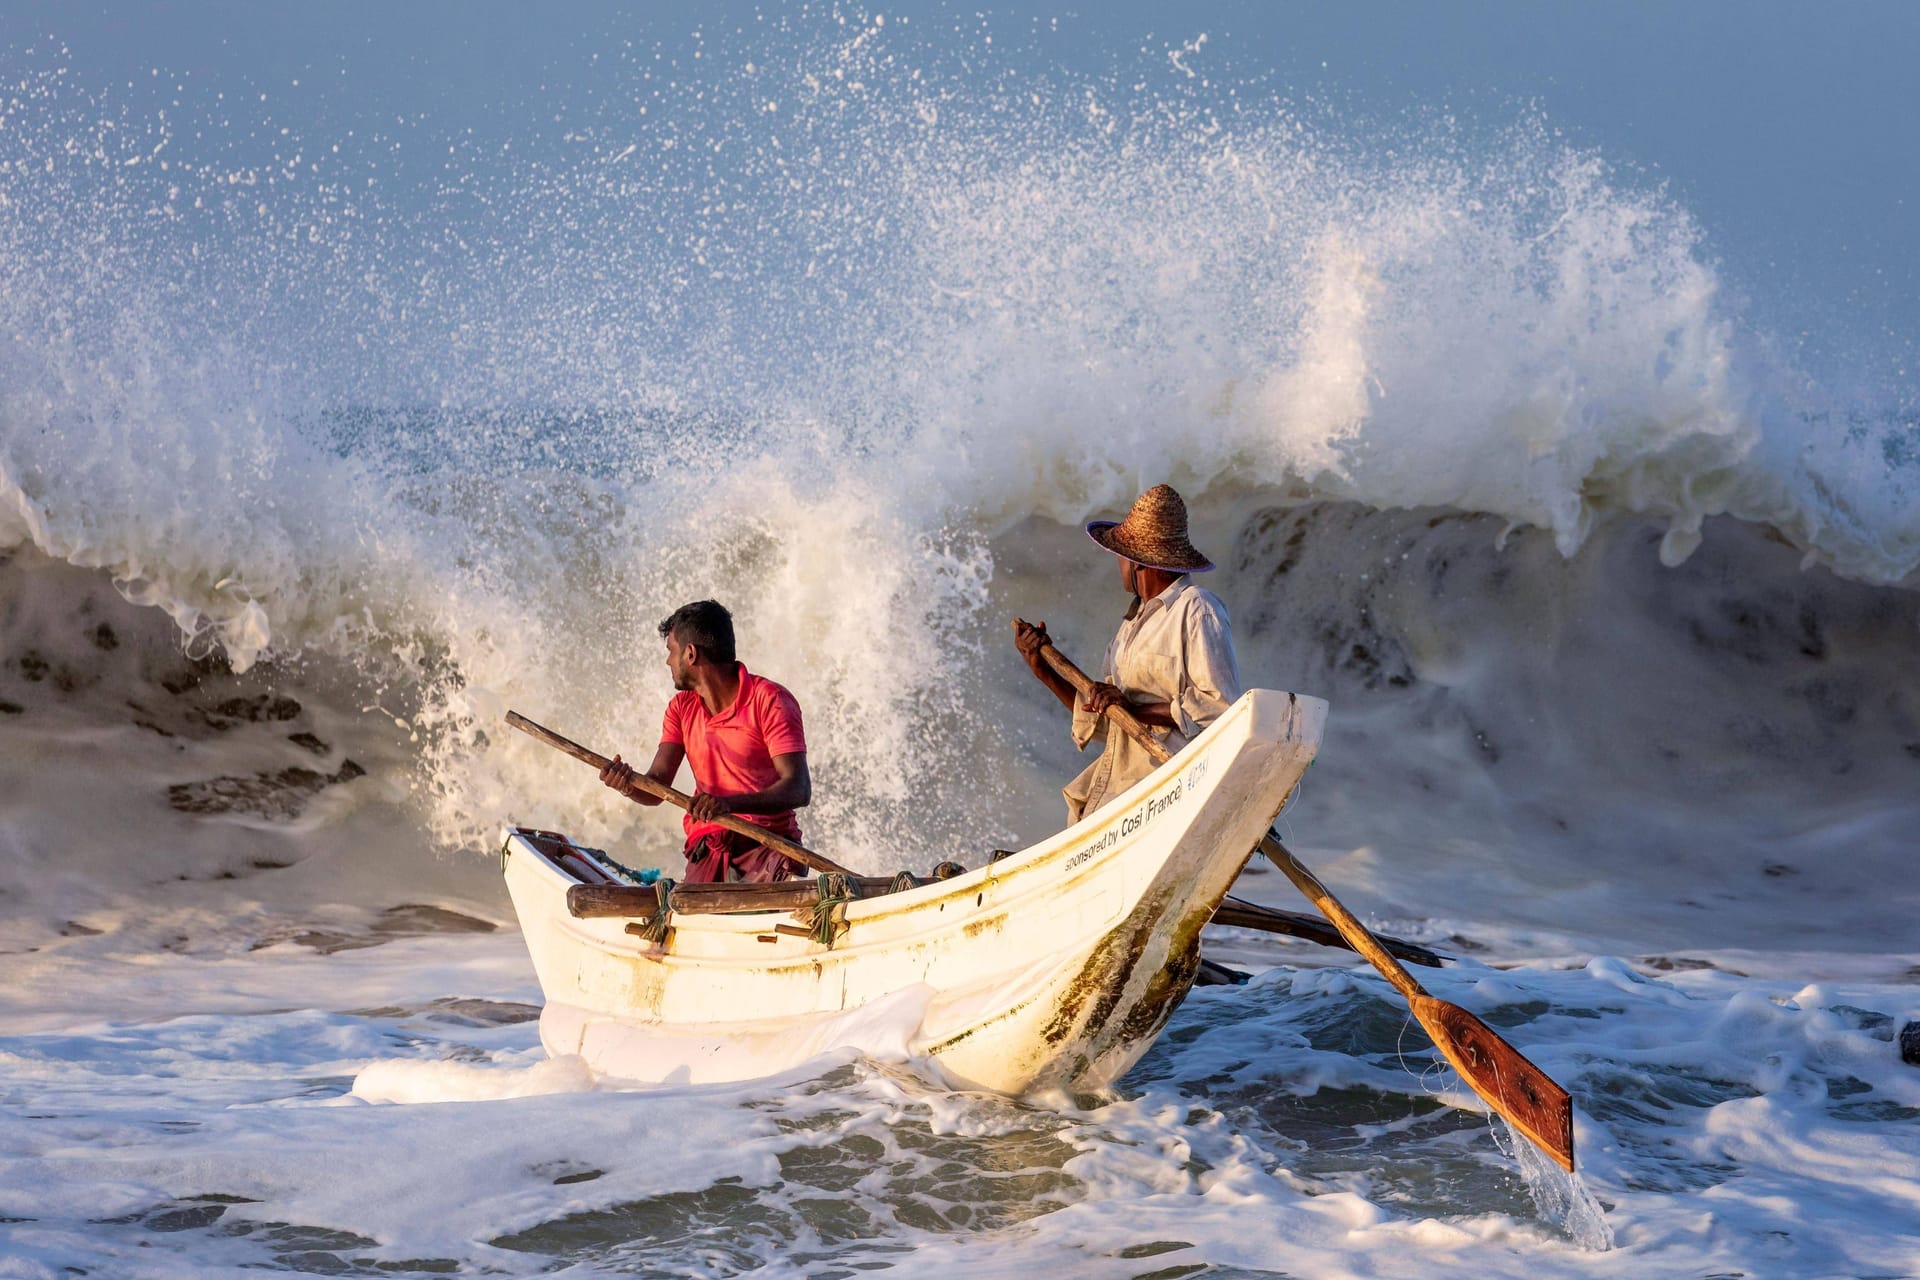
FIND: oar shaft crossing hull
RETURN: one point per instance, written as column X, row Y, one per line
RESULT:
column 1055, row 967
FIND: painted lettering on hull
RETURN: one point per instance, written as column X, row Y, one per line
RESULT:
column 1135, row 822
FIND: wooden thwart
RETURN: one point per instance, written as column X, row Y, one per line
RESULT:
column 1511, row 1085
column 601, row 901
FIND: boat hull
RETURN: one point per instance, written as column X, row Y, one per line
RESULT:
column 1053, row 968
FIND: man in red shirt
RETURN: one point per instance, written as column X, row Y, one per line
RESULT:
column 743, row 737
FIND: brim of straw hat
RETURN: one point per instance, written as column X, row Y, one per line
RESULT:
column 1174, row 557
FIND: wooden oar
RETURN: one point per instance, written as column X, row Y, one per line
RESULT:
column 1511, row 1085
column 758, row 834
column 1527, row 1096
column 1237, row 913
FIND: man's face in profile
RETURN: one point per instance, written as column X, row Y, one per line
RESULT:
column 679, row 662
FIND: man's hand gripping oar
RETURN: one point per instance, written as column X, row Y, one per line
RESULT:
column 1511, row 1085
column 758, row 834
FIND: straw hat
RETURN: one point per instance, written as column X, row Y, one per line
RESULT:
column 1154, row 533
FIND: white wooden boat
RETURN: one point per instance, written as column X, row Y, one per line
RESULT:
column 1052, row 968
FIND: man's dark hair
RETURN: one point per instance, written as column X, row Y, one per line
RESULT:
column 704, row 624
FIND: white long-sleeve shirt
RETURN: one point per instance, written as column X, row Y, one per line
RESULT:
column 1176, row 648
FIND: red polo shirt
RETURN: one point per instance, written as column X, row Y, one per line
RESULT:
column 732, row 752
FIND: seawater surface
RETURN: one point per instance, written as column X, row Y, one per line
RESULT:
column 336, row 420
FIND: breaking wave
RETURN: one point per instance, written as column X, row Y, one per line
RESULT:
column 1486, row 451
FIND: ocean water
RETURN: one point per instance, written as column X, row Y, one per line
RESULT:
column 352, row 395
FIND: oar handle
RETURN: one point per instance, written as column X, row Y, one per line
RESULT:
column 753, row 830
column 1119, row 713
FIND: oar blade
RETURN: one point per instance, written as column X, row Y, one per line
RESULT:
column 1511, row 1085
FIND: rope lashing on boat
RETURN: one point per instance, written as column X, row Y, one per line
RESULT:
column 830, row 912
column 607, row 862
column 649, row 876
column 655, row 929
column 904, row 881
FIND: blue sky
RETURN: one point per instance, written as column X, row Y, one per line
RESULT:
column 1787, row 129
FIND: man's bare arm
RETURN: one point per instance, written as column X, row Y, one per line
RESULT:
column 665, row 767
column 792, row 789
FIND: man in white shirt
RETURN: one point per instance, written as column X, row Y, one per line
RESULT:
column 1172, row 662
